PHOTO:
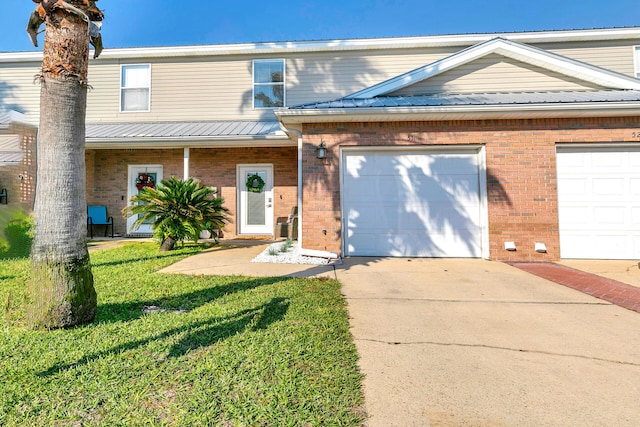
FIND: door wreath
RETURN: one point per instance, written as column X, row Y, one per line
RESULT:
column 144, row 180
column 255, row 184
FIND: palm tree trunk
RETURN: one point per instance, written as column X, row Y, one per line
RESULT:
column 167, row 244
column 62, row 282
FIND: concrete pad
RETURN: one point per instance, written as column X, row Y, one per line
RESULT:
column 234, row 258
column 479, row 343
column 625, row 271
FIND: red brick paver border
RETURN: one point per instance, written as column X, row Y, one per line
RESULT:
column 610, row 290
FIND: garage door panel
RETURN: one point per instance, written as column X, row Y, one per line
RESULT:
column 412, row 204
column 575, row 217
column 408, row 244
column 602, row 219
column 573, row 187
column 433, row 217
column 608, row 187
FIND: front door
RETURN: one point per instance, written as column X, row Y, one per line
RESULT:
column 141, row 176
column 255, row 199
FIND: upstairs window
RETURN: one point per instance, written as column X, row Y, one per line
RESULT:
column 135, row 87
column 268, row 83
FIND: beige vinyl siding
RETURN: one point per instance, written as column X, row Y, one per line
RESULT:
column 494, row 73
column 326, row 76
column 614, row 55
column 220, row 88
column 19, row 89
column 185, row 89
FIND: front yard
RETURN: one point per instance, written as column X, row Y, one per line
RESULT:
column 181, row 350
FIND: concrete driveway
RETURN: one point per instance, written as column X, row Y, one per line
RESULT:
column 478, row 343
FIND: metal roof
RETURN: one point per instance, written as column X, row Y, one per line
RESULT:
column 163, row 130
column 478, row 99
column 9, row 117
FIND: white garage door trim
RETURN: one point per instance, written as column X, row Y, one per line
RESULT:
column 599, row 201
column 477, row 152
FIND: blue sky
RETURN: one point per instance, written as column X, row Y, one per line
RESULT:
column 139, row 23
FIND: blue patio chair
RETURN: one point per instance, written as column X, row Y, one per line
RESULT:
column 3, row 196
column 97, row 215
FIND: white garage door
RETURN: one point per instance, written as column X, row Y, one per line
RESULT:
column 599, row 202
column 412, row 203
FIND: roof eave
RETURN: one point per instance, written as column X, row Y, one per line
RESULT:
column 191, row 142
column 348, row 44
column 465, row 112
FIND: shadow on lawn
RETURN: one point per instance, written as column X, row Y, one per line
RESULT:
column 134, row 259
column 124, row 312
column 198, row 334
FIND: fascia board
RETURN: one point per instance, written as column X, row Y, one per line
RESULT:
column 567, row 66
column 464, row 112
column 192, row 142
column 348, row 44
column 514, row 50
column 419, row 74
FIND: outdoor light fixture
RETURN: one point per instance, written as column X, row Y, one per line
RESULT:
column 321, row 151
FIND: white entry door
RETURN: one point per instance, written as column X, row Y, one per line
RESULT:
column 255, row 208
column 139, row 176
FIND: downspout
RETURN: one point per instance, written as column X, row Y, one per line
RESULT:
column 299, row 135
column 307, row 252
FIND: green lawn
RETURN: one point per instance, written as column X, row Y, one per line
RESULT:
column 223, row 351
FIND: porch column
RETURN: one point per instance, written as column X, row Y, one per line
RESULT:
column 186, row 163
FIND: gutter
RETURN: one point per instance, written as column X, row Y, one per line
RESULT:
column 458, row 112
column 182, row 142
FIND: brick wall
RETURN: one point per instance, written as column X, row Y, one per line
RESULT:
column 107, row 175
column 521, row 172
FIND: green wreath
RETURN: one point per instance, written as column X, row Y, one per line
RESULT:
column 255, row 184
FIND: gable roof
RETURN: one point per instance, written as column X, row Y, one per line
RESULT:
column 508, row 48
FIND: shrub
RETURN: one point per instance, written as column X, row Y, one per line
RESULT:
column 19, row 236
column 178, row 210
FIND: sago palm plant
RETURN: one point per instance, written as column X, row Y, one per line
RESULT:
column 177, row 210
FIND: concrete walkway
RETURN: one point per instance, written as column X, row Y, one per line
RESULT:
column 233, row 257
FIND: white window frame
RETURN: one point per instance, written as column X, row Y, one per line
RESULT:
column 636, row 62
column 283, row 83
column 122, row 88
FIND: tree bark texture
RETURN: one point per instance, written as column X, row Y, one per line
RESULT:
column 62, row 283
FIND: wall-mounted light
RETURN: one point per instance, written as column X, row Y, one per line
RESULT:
column 540, row 248
column 510, row 246
column 321, row 151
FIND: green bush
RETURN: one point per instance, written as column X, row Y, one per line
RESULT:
column 178, row 210
column 18, row 235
